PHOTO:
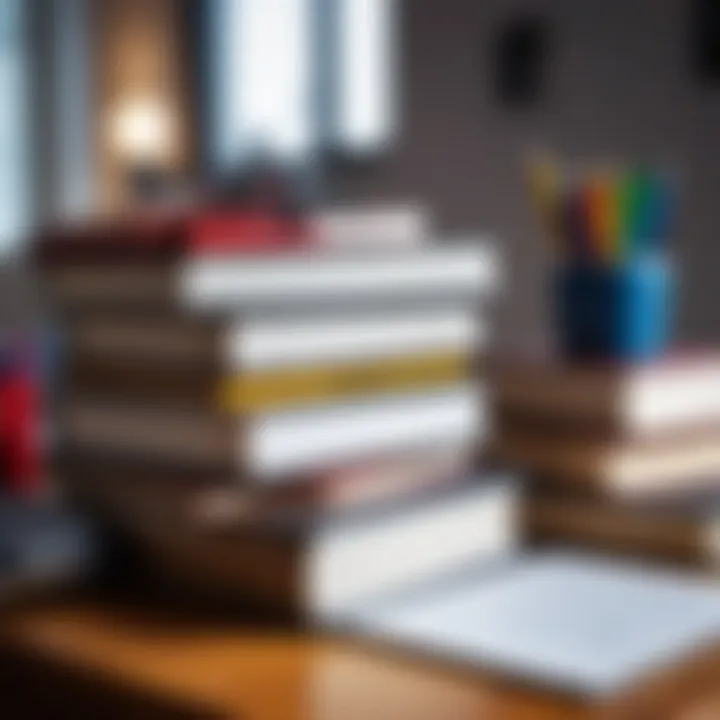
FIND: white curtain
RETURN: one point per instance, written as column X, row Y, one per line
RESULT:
column 293, row 76
column 367, row 61
column 263, row 78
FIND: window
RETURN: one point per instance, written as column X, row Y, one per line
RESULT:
column 72, row 111
column 14, row 116
column 364, row 92
column 292, row 77
column 264, row 77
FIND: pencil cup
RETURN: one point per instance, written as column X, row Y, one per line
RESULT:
column 621, row 312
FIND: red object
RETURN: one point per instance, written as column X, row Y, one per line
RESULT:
column 20, row 431
column 162, row 236
column 250, row 230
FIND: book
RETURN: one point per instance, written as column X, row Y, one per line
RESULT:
column 218, row 499
column 375, row 225
column 165, row 234
column 274, row 389
column 252, row 343
column 612, row 468
column 681, row 527
column 310, row 565
column 619, row 400
column 581, row 624
column 300, row 279
column 280, row 443
column 260, row 364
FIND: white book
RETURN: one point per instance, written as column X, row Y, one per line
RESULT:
column 577, row 623
column 257, row 343
column 278, row 444
column 457, row 273
column 348, row 562
column 376, row 225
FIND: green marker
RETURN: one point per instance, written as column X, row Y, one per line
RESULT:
column 633, row 190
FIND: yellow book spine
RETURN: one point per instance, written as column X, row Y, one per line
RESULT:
column 260, row 391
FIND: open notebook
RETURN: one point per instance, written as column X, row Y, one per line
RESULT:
column 576, row 623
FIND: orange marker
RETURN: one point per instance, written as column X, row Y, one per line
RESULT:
column 604, row 211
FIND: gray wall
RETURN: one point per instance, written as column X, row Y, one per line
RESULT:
column 619, row 85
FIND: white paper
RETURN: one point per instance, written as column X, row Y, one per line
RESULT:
column 584, row 624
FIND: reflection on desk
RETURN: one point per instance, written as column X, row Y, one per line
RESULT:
column 192, row 669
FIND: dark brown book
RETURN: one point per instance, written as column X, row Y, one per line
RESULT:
column 217, row 499
column 152, row 237
column 604, row 466
column 563, row 428
column 178, row 338
column 308, row 564
column 681, row 528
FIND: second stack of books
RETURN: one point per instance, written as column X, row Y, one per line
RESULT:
column 622, row 458
column 299, row 428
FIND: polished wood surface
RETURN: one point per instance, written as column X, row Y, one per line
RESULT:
column 238, row 670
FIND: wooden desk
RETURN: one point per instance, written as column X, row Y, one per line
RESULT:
column 99, row 658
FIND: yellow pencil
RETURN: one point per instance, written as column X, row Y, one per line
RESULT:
column 544, row 184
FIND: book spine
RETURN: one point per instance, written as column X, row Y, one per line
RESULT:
column 112, row 338
column 628, row 531
column 196, row 439
column 551, row 462
column 255, row 568
column 577, row 402
column 213, row 500
column 85, row 289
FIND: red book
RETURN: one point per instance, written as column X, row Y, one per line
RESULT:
column 251, row 230
column 163, row 236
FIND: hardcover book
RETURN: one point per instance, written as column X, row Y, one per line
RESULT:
column 612, row 468
column 216, row 499
column 288, row 280
column 622, row 401
column 311, row 564
column 273, row 445
column 681, row 527
column 262, row 364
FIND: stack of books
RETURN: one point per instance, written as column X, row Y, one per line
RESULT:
column 622, row 458
column 299, row 426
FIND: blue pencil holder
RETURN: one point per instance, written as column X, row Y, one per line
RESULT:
column 622, row 312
